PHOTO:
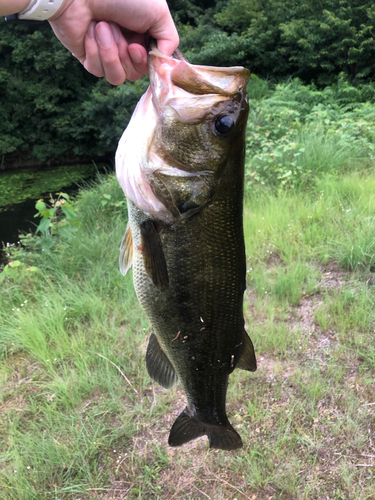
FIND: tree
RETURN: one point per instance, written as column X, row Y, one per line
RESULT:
column 312, row 39
column 51, row 109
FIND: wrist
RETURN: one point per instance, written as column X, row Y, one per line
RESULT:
column 62, row 9
column 40, row 10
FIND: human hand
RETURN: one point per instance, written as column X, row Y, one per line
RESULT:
column 90, row 30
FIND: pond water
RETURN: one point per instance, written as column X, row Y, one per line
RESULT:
column 19, row 191
column 19, row 217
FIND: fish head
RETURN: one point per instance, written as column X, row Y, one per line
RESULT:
column 187, row 126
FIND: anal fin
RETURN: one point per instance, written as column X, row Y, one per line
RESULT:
column 126, row 251
column 153, row 255
column 248, row 360
column 158, row 365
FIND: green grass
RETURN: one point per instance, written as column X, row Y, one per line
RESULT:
column 297, row 133
column 335, row 223
column 81, row 419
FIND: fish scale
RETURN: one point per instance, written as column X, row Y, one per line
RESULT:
column 189, row 265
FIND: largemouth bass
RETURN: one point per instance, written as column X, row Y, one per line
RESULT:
column 180, row 163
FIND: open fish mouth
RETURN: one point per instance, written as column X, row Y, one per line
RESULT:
column 191, row 90
column 179, row 91
column 174, row 78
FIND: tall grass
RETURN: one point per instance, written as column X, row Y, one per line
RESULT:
column 74, row 386
column 69, row 320
column 334, row 223
column 297, row 134
column 81, row 419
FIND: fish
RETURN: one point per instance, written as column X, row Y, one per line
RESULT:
column 180, row 163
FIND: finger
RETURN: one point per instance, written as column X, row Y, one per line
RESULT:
column 131, row 72
column 168, row 46
column 138, row 56
column 91, row 61
column 109, row 55
column 165, row 32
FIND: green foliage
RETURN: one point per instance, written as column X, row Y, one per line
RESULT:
column 51, row 215
column 104, row 115
column 297, row 133
column 312, row 40
column 40, row 87
column 337, row 37
column 17, row 270
column 191, row 11
column 105, row 200
column 51, row 108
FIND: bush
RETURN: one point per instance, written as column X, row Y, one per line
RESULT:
column 298, row 133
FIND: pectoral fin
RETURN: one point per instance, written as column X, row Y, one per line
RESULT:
column 126, row 251
column 158, row 365
column 247, row 361
column 153, row 255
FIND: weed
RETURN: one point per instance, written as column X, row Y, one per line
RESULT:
column 81, row 419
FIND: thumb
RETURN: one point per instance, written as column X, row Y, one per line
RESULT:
column 166, row 37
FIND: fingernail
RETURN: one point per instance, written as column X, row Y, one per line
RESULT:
column 104, row 35
column 137, row 57
column 116, row 32
column 91, row 30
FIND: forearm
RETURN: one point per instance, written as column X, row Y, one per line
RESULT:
column 12, row 6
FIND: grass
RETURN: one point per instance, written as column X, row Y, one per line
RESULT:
column 296, row 134
column 335, row 223
column 81, row 419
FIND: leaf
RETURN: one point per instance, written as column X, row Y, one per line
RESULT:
column 40, row 205
column 33, row 269
column 46, row 213
column 68, row 212
column 43, row 225
column 15, row 263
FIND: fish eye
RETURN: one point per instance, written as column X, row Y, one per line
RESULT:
column 224, row 123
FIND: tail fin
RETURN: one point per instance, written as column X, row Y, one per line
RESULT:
column 186, row 428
